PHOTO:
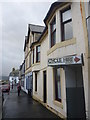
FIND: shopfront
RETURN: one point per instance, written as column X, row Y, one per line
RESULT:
column 75, row 99
column 29, row 83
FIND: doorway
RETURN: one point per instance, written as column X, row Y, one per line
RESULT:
column 44, row 87
column 75, row 92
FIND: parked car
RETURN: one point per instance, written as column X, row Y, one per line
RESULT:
column 5, row 87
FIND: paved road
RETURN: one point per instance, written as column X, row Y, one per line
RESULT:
column 24, row 107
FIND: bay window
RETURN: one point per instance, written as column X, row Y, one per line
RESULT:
column 38, row 53
column 33, row 56
column 66, row 24
column 53, row 32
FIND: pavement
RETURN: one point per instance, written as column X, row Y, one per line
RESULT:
column 0, row 103
column 24, row 106
column 0, row 107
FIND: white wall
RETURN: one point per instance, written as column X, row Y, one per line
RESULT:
column 39, row 93
column 44, row 48
column 25, row 86
column 42, row 66
column 78, row 48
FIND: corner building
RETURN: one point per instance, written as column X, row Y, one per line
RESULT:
column 62, row 61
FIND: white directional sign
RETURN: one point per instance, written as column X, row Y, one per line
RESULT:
column 65, row 60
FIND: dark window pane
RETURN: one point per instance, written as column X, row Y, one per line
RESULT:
column 33, row 56
column 58, row 89
column 68, row 31
column 67, row 15
column 38, row 56
column 35, row 81
column 38, row 49
column 53, row 32
column 53, row 27
column 57, row 84
column 54, row 38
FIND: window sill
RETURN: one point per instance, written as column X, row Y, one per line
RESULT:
column 35, row 92
column 61, row 44
column 57, row 103
column 38, row 63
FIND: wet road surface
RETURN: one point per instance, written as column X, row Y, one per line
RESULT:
column 23, row 106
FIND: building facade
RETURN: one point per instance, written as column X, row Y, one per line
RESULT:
column 60, row 60
column 34, row 32
column 14, row 76
column 22, row 75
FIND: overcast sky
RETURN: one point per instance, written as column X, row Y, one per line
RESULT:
column 15, row 19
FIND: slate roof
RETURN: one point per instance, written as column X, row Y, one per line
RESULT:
column 54, row 6
column 36, row 28
column 14, row 73
column 25, row 42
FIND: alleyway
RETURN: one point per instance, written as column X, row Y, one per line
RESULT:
column 23, row 107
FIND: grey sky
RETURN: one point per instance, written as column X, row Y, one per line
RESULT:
column 15, row 18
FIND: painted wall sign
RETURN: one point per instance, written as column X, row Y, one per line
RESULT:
column 65, row 60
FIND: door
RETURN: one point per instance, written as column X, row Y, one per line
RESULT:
column 75, row 93
column 44, row 87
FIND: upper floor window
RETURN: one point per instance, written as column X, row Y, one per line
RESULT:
column 30, row 60
column 53, row 32
column 38, row 53
column 66, row 24
column 33, row 56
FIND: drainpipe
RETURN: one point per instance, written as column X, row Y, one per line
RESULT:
column 86, row 82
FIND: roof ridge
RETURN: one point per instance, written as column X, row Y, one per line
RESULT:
column 36, row 25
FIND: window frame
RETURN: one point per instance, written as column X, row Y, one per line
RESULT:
column 52, row 42
column 55, row 83
column 65, row 22
column 37, row 54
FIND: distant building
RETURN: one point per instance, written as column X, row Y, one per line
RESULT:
column 22, row 75
column 6, row 78
column 14, row 76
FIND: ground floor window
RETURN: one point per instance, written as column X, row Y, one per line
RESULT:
column 36, row 82
column 57, row 84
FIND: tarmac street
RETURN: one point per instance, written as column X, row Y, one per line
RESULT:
column 24, row 106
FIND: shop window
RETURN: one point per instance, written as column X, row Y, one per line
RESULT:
column 38, row 53
column 57, row 84
column 36, row 82
column 53, row 32
column 66, row 24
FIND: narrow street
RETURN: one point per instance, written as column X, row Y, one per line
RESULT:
column 23, row 106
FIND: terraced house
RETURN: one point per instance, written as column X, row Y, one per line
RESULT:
column 34, row 32
column 58, row 60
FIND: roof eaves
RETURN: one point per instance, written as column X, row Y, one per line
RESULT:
column 34, row 43
column 52, row 9
column 44, row 31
